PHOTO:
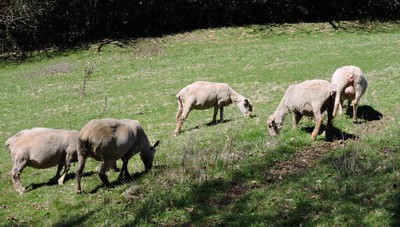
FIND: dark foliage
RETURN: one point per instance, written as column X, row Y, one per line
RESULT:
column 31, row 24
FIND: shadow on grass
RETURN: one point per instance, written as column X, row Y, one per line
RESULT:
column 336, row 133
column 116, row 183
column 76, row 221
column 366, row 113
column 351, row 194
column 54, row 181
column 396, row 209
column 206, row 125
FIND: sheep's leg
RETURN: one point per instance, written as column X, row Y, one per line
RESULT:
column 66, row 169
column 329, row 125
column 355, row 111
column 59, row 168
column 341, row 106
column 337, row 103
column 214, row 120
column 348, row 105
column 181, row 119
column 16, row 173
column 318, row 123
column 102, row 174
column 121, row 172
column 113, row 166
column 178, row 117
column 124, row 174
column 180, row 110
column 221, row 114
column 81, row 166
column 125, row 165
column 355, row 103
column 296, row 118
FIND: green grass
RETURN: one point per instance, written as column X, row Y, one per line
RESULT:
column 211, row 175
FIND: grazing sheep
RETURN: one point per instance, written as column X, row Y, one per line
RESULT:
column 42, row 148
column 350, row 84
column 309, row 98
column 202, row 95
column 107, row 140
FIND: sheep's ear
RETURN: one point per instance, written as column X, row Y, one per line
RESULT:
column 156, row 144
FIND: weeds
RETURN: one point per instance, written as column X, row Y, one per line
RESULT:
column 346, row 164
column 88, row 73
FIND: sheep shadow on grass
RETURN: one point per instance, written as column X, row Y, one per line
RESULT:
column 366, row 113
column 116, row 183
column 336, row 133
column 209, row 124
column 205, row 125
column 54, row 181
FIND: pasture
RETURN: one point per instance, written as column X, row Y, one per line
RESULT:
column 221, row 174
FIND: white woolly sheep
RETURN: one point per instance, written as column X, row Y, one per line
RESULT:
column 42, row 148
column 309, row 98
column 107, row 140
column 350, row 84
column 203, row 95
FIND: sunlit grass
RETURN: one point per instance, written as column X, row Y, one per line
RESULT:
column 222, row 174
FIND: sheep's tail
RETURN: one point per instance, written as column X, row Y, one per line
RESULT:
column 180, row 104
column 8, row 143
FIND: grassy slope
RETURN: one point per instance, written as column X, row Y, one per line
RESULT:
column 221, row 174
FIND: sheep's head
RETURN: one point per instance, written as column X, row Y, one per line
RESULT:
column 274, row 125
column 246, row 108
column 148, row 156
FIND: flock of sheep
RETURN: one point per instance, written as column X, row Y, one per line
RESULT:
column 108, row 140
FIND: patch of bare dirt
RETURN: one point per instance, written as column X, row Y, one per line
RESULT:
column 301, row 160
column 298, row 163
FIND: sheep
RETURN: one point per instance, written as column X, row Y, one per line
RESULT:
column 309, row 98
column 107, row 140
column 350, row 84
column 203, row 95
column 42, row 148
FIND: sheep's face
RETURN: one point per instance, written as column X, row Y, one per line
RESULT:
column 246, row 108
column 274, row 125
column 147, row 157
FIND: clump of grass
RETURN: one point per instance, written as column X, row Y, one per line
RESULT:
column 57, row 69
column 205, row 158
column 198, row 159
column 347, row 164
column 144, row 51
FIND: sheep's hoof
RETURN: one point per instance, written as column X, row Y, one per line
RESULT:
column 22, row 191
column 60, row 181
column 79, row 191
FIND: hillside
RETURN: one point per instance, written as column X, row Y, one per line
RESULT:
column 232, row 173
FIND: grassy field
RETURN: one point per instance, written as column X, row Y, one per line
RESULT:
column 222, row 174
